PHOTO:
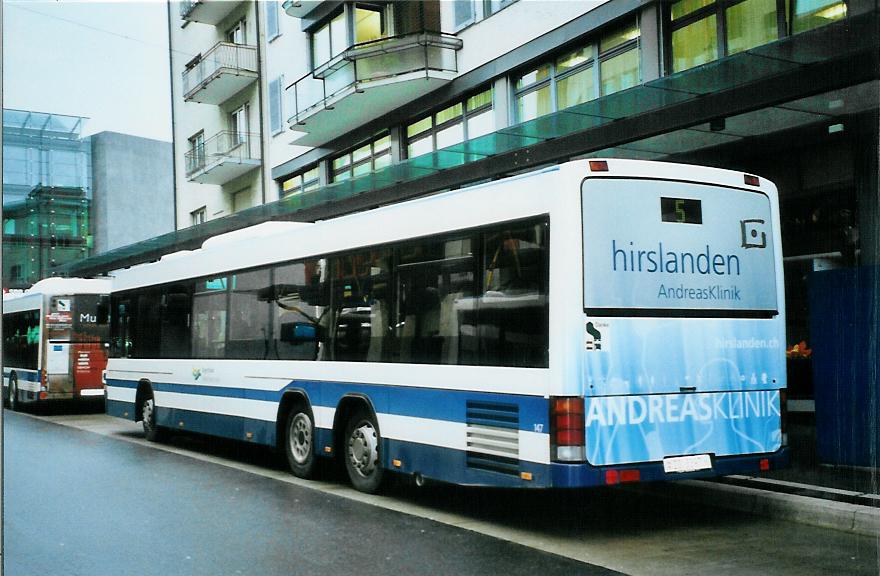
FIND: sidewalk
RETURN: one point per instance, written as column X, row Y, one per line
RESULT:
column 808, row 492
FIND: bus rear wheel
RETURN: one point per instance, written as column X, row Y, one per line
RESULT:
column 152, row 431
column 299, row 442
column 363, row 451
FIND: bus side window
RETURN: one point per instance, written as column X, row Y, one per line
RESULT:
column 249, row 316
column 361, row 305
column 176, row 321
column 209, row 318
column 435, row 280
column 300, row 314
column 513, row 315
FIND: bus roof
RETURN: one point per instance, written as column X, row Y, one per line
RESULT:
column 491, row 202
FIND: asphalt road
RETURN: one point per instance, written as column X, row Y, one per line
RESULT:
column 86, row 495
column 78, row 503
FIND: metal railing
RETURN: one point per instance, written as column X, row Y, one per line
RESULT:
column 368, row 62
column 223, row 56
column 227, row 145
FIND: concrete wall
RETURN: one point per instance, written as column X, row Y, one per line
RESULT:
column 133, row 190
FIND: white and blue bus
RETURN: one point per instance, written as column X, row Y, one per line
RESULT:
column 592, row 323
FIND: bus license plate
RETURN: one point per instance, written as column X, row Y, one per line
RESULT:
column 693, row 463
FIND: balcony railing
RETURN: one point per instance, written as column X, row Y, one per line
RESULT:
column 223, row 157
column 378, row 62
column 238, row 61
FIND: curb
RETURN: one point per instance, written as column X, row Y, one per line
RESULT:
column 842, row 516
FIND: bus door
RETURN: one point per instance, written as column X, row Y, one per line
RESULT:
column 88, row 351
column 59, row 324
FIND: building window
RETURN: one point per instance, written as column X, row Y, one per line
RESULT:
column 276, row 124
column 362, row 160
column 464, row 120
column 492, row 6
column 238, row 125
column 464, row 13
column 580, row 75
column 196, row 156
column 199, row 216
column 300, row 183
column 809, row 14
column 703, row 30
column 352, row 24
column 236, row 34
column 273, row 29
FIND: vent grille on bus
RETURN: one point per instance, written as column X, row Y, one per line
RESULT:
column 493, row 437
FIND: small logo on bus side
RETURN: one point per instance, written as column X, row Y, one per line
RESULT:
column 197, row 373
column 753, row 235
column 594, row 337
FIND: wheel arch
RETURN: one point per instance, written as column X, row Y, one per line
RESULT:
column 144, row 390
column 347, row 406
column 291, row 398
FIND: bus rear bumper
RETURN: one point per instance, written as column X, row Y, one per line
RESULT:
column 584, row 475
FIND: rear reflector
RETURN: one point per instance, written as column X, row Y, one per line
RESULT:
column 622, row 476
column 598, row 165
column 567, row 422
column 764, row 464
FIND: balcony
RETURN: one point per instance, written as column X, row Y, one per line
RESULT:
column 223, row 157
column 206, row 11
column 300, row 8
column 221, row 73
column 368, row 80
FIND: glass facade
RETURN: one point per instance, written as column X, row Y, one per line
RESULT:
column 702, row 30
column 47, row 194
column 464, row 120
column 362, row 160
column 594, row 69
column 305, row 181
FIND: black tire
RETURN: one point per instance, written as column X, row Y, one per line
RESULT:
column 299, row 442
column 13, row 393
column 363, row 452
column 152, row 431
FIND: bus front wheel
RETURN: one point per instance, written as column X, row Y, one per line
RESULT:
column 299, row 443
column 363, row 452
column 13, row 392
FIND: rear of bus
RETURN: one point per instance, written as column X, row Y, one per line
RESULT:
column 682, row 363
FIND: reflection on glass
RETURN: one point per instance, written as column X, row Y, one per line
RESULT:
column 536, row 75
column 751, row 23
column 685, row 7
column 575, row 89
column 620, row 72
column 694, row 44
column 809, row 14
column 367, row 24
column 534, row 104
column 618, row 37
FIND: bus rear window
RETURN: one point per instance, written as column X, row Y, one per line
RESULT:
column 666, row 248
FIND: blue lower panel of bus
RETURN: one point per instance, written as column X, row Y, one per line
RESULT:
column 450, row 465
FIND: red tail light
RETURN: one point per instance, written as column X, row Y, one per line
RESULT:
column 751, row 180
column 567, row 421
column 598, row 165
column 764, row 464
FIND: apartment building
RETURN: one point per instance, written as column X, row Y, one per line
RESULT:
column 302, row 110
